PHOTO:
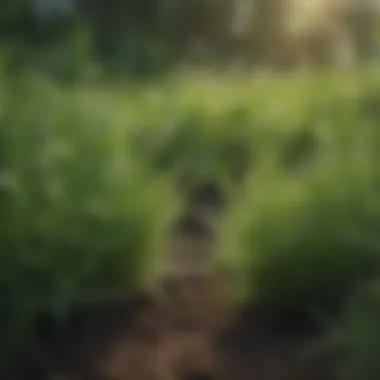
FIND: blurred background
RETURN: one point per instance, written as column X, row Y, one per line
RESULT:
column 140, row 37
column 157, row 145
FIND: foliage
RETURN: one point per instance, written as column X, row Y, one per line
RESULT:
column 80, row 218
column 303, row 239
column 86, row 172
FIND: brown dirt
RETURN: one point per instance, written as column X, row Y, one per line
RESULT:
column 182, row 330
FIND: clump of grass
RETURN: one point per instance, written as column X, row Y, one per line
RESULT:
column 80, row 217
column 303, row 243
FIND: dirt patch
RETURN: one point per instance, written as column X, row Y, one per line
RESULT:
column 159, row 343
column 254, row 347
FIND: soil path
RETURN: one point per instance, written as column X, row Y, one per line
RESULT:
column 246, row 345
column 180, row 329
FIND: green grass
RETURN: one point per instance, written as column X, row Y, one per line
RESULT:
column 306, row 232
column 87, row 174
column 81, row 219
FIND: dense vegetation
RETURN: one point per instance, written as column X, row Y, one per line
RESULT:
column 87, row 174
column 80, row 218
